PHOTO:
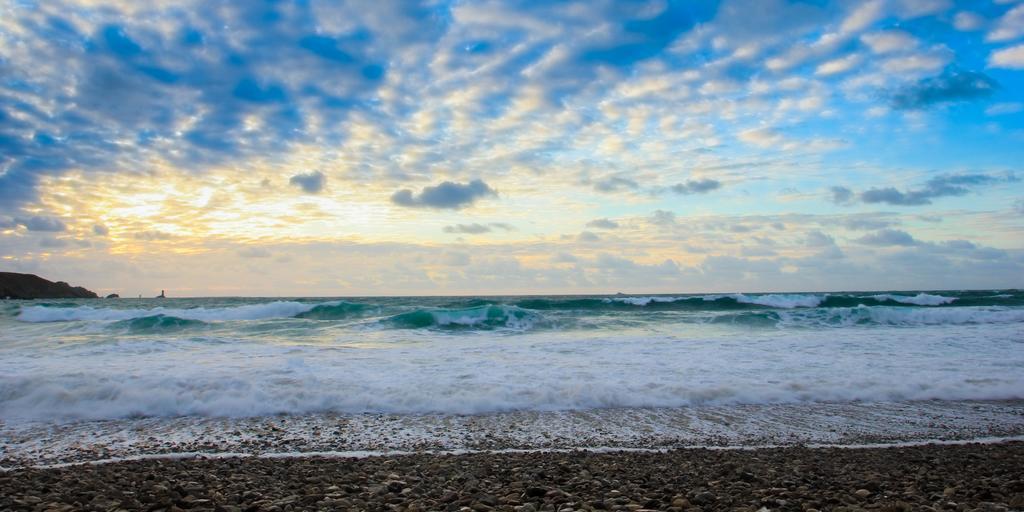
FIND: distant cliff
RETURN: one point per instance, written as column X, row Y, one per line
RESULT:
column 30, row 286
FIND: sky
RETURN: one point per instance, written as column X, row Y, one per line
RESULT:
column 321, row 148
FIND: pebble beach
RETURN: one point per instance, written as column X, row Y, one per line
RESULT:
column 965, row 477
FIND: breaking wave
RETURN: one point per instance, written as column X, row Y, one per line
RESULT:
column 262, row 311
column 479, row 317
column 874, row 316
column 527, row 313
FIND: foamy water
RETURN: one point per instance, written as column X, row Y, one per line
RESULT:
column 66, row 361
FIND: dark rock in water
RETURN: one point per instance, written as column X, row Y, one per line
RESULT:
column 113, row 296
column 30, row 286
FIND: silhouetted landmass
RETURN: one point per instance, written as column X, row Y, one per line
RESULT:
column 31, row 286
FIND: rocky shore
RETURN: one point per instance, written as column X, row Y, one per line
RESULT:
column 982, row 477
column 30, row 286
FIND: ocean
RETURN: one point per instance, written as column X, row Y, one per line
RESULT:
column 680, row 359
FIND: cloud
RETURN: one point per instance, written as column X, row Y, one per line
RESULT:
column 816, row 238
column 1009, row 58
column 456, row 259
column 448, row 195
column 966, row 21
column 476, row 229
column 908, row 9
column 38, row 223
column 100, row 229
column 187, row 93
column 887, row 238
column 1009, row 27
column 662, row 218
column 696, row 186
column 587, row 236
column 53, row 243
column 889, row 41
column 1000, row 109
column 837, row 66
column 841, row 195
column 950, row 87
column 469, row 229
column 603, row 224
column 615, row 184
column 254, row 252
column 866, row 224
column 564, row 257
column 152, row 235
column 643, row 34
column 939, row 186
column 310, row 183
column 762, row 137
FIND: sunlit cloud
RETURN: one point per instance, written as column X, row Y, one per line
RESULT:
column 571, row 146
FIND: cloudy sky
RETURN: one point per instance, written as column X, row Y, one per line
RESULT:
column 384, row 147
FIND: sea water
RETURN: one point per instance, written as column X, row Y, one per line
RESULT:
column 65, row 361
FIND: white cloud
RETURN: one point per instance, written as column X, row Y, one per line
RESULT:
column 917, row 8
column 836, row 66
column 1010, row 58
column 762, row 137
column 889, row 41
column 862, row 17
column 967, row 21
column 1009, row 27
column 1004, row 108
column 917, row 63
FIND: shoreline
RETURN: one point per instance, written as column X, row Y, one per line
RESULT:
column 363, row 454
column 960, row 477
column 44, row 444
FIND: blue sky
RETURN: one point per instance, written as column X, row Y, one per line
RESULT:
column 324, row 148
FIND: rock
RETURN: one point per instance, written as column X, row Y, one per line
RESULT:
column 703, row 498
column 862, row 493
column 1017, row 501
column 113, row 296
column 535, row 492
column 31, row 286
column 987, row 506
column 680, row 502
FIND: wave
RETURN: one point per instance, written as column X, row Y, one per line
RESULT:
column 772, row 301
column 156, row 323
column 202, row 391
column 874, row 316
column 523, row 314
column 335, row 311
column 268, row 310
column 480, row 317
column 921, row 299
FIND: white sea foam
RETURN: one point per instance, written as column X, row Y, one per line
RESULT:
column 900, row 316
column 643, row 301
column 770, row 300
column 540, row 371
column 442, row 356
column 921, row 299
column 786, row 301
